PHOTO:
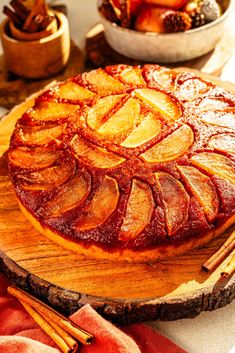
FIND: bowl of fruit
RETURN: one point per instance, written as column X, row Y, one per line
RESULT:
column 163, row 30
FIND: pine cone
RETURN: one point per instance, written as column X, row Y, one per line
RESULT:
column 176, row 21
column 210, row 9
column 198, row 18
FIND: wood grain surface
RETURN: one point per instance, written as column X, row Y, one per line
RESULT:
column 122, row 292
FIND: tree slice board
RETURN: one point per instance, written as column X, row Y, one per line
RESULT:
column 122, row 292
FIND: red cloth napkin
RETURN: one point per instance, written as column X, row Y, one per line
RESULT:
column 20, row 334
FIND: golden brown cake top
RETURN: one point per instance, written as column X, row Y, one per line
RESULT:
column 127, row 157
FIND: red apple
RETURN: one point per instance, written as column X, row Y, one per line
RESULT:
column 172, row 4
column 153, row 18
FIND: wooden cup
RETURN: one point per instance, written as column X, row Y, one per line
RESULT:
column 40, row 58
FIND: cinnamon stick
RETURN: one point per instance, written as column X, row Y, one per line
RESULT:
column 22, row 13
column 46, row 21
column 33, row 26
column 125, row 15
column 229, row 268
column 47, row 328
column 221, row 254
column 38, row 8
column 21, row 6
column 12, row 16
column 51, row 315
column 107, row 10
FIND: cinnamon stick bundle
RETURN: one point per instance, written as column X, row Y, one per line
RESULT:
column 221, row 254
column 52, row 316
column 31, row 21
column 51, row 330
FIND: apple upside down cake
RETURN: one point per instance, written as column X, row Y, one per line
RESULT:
column 128, row 163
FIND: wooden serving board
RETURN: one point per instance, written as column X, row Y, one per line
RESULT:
column 122, row 292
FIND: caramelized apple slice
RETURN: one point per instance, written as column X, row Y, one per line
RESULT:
column 147, row 129
column 132, row 75
column 36, row 158
column 213, row 103
column 123, row 120
column 39, row 135
column 93, row 155
column 48, row 178
column 202, row 188
column 162, row 76
column 172, row 147
column 70, row 196
column 100, row 109
column 51, row 111
column 175, row 201
column 219, row 119
column 103, row 83
column 192, row 89
column 139, row 210
column 217, row 164
column 71, row 90
column 102, row 205
column 161, row 102
column 223, row 142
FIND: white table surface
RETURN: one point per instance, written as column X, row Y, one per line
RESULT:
column 210, row 332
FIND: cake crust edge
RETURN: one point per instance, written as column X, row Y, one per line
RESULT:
column 150, row 255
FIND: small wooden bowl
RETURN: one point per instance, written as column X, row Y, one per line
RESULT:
column 39, row 58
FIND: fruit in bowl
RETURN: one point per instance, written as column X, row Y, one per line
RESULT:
column 167, row 16
column 177, row 31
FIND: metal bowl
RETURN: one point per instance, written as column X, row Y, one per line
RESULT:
column 166, row 47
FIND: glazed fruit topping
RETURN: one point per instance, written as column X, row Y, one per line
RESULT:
column 123, row 121
column 149, row 128
column 192, row 88
column 102, row 205
column 36, row 158
column 39, row 135
column 222, row 119
column 139, row 210
column 97, row 114
column 131, row 76
column 48, row 178
column 172, row 147
column 217, row 164
column 202, row 188
column 103, row 83
column 71, row 195
column 51, row 111
column 161, row 102
column 72, row 91
column 223, row 142
column 93, row 155
column 175, row 201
